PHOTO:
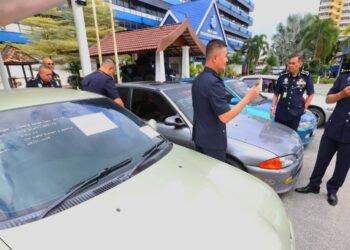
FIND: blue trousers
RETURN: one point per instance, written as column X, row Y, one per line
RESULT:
column 293, row 124
column 328, row 147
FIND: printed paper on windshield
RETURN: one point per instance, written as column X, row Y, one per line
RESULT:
column 93, row 123
column 150, row 132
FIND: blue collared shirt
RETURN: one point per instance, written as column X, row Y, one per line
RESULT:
column 100, row 83
column 209, row 102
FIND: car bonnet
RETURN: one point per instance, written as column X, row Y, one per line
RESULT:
column 184, row 201
column 265, row 134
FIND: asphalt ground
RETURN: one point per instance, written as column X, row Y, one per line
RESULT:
column 318, row 225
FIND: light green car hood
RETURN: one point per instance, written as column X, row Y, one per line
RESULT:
column 184, row 201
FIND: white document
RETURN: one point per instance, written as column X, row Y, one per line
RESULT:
column 93, row 123
column 150, row 132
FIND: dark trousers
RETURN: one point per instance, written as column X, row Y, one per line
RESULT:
column 293, row 123
column 328, row 147
column 215, row 153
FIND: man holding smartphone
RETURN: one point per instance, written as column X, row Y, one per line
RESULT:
column 289, row 92
column 211, row 111
column 335, row 139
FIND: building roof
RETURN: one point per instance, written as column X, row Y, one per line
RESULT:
column 13, row 56
column 167, row 38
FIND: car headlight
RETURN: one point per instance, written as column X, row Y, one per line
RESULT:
column 304, row 125
column 278, row 163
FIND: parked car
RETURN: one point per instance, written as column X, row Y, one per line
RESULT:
column 235, row 91
column 77, row 171
column 261, row 107
column 268, row 150
column 318, row 105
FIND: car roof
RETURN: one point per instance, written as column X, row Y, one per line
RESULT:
column 20, row 98
column 156, row 85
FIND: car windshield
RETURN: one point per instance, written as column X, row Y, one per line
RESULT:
column 183, row 99
column 45, row 150
column 239, row 89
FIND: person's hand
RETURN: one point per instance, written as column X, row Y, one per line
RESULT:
column 272, row 113
column 345, row 92
column 253, row 93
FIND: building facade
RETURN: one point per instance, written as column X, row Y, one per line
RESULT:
column 235, row 15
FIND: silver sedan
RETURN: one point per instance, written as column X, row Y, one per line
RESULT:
column 270, row 151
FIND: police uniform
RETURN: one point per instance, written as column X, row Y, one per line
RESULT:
column 336, row 138
column 38, row 83
column 100, row 83
column 291, row 106
column 209, row 133
column 56, row 79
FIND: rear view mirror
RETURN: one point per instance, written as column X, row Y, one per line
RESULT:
column 234, row 101
column 174, row 120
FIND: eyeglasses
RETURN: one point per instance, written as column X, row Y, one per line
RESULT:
column 50, row 63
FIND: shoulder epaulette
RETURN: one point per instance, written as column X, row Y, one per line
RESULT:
column 284, row 73
column 304, row 72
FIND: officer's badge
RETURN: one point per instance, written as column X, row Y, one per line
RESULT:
column 285, row 81
column 301, row 83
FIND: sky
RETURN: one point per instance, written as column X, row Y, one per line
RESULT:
column 268, row 13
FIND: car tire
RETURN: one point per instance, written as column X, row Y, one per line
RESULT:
column 320, row 116
column 235, row 163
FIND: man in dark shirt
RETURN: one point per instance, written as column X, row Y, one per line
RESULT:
column 55, row 79
column 289, row 92
column 210, row 107
column 43, row 79
column 335, row 139
column 102, row 82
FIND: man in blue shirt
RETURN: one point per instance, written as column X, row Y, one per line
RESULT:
column 210, row 107
column 289, row 92
column 335, row 139
column 102, row 82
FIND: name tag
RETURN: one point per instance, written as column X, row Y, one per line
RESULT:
column 285, row 95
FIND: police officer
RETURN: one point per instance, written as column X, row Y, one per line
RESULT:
column 56, row 80
column 336, row 138
column 210, row 107
column 43, row 79
column 102, row 81
column 289, row 93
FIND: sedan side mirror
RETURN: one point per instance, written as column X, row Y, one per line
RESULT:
column 234, row 101
column 174, row 120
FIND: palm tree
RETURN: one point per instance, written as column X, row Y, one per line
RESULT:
column 321, row 37
column 288, row 38
column 253, row 48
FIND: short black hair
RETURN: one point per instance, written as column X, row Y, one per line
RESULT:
column 300, row 57
column 213, row 45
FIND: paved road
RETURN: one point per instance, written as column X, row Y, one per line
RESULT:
column 317, row 225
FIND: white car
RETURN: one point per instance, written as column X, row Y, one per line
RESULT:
column 318, row 106
column 77, row 171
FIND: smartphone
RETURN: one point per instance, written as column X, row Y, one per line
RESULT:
column 257, row 83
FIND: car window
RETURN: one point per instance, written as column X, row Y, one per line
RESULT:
column 150, row 105
column 183, row 99
column 124, row 95
column 250, row 82
column 45, row 150
column 239, row 90
column 268, row 85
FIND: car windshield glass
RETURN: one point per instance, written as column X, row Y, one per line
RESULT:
column 239, row 89
column 183, row 99
column 45, row 150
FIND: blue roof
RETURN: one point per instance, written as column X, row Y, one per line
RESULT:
column 194, row 11
column 13, row 37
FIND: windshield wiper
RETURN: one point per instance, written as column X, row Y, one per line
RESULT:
column 146, row 155
column 83, row 185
